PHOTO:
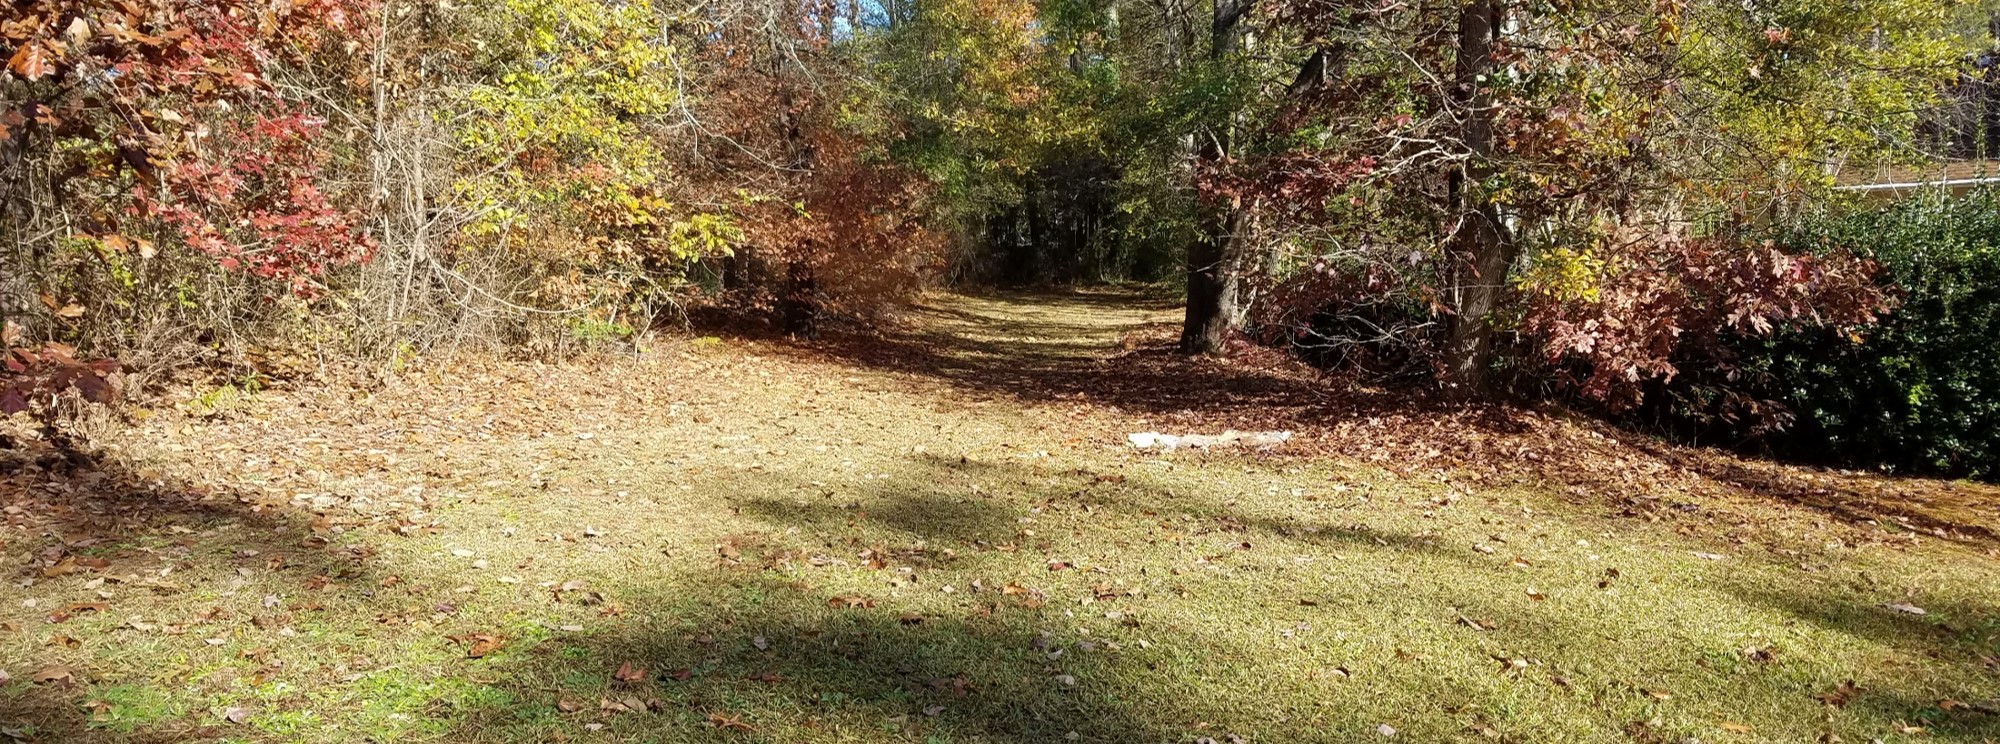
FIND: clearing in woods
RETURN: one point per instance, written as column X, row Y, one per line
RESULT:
column 939, row 534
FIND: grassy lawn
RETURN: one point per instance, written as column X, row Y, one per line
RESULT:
column 945, row 541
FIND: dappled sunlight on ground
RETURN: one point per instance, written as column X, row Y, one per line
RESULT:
column 938, row 535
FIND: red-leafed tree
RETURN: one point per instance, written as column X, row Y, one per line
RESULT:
column 135, row 133
column 154, row 121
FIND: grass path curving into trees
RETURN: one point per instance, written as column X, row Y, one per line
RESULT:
column 935, row 532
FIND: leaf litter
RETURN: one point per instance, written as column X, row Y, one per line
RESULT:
column 347, row 465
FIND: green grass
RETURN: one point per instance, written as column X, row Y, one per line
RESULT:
column 1192, row 596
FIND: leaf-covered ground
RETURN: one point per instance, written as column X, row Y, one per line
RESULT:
column 938, row 534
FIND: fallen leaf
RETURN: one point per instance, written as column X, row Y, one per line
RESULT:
column 629, row 672
column 728, row 722
column 480, row 644
column 54, row 674
column 1842, row 693
column 31, row 61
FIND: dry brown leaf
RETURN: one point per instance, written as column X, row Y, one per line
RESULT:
column 480, row 644
column 629, row 672
column 850, row 602
column 1840, row 694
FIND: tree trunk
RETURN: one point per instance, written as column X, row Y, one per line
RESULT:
column 1212, row 283
column 1214, row 257
column 798, row 306
column 1482, row 254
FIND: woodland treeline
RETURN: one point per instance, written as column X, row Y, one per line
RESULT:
column 1644, row 207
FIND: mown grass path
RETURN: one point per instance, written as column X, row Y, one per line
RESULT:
column 937, row 534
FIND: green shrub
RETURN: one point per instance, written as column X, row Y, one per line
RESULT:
column 1919, row 393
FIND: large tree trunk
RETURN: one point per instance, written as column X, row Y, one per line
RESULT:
column 1212, row 283
column 1483, row 253
column 1214, row 258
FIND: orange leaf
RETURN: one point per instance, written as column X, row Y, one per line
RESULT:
column 481, row 644
column 31, row 61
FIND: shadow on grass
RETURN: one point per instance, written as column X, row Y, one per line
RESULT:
column 915, row 503
column 1058, row 345
column 1957, row 510
column 801, row 654
column 759, row 651
column 1957, row 629
column 92, row 521
column 765, row 650
column 777, row 663
column 1044, row 348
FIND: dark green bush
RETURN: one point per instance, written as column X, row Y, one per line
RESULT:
column 1919, row 393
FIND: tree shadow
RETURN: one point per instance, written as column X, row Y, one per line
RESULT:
column 909, row 505
column 793, row 663
column 1052, row 355
column 765, row 649
column 1034, row 349
column 92, row 521
column 1961, row 631
column 796, row 654
column 1954, row 510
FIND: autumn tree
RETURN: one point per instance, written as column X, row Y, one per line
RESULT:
column 1214, row 277
column 154, row 170
column 788, row 139
column 1518, row 167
